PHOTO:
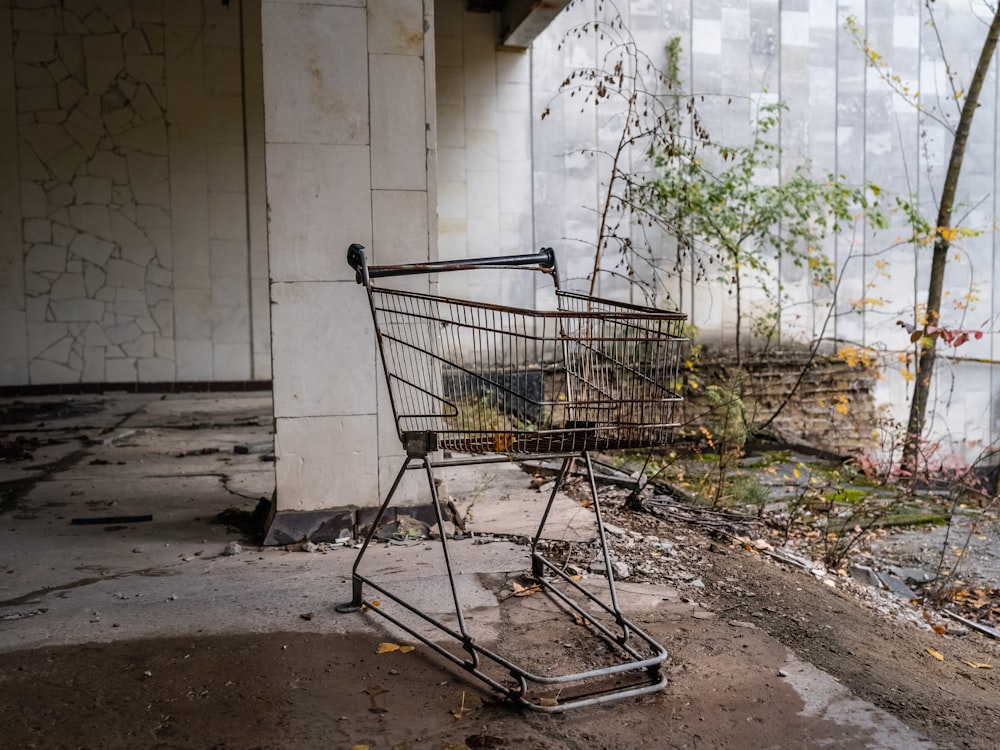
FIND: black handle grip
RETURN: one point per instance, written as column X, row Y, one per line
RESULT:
column 544, row 258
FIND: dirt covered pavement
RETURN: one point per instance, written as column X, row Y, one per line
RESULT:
column 161, row 633
column 281, row 690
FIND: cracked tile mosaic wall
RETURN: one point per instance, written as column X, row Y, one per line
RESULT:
column 134, row 259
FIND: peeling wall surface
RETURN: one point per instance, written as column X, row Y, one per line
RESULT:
column 132, row 238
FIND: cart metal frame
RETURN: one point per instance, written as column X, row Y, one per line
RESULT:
column 497, row 383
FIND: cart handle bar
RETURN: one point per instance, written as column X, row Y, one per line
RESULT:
column 544, row 259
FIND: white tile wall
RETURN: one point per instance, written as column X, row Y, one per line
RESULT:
column 116, row 198
column 315, row 76
column 484, row 200
column 398, row 123
column 324, row 360
column 325, row 462
column 319, row 198
column 334, row 177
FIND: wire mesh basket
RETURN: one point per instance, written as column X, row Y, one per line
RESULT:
column 592, row 375
column 480, row 379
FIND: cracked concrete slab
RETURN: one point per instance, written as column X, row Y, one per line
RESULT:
column 116, row 582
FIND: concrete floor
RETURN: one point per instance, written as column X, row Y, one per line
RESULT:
column 95, row 458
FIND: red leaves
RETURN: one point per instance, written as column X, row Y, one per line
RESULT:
column 951, row 336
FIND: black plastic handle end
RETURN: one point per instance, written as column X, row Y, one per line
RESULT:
column 357, row 261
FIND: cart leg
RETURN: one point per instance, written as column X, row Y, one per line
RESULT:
column 537, row 566
column 356, row 583
column 442, row 532
column 606, row 555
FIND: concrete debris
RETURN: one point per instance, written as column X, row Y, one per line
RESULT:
column 619, row 569
column 233, row 548
column 404, row 527
column 118, row 437
column 896, row 586
column 19, row 615
column 882, row 580
column 912, row 576
column 866, row 575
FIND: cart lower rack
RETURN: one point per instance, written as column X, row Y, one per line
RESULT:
column 498, row 383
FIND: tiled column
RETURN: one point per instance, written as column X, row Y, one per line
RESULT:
column 348, row 138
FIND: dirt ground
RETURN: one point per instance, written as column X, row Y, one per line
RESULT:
column 885, row 662
column 294, row 689
column 299, row 690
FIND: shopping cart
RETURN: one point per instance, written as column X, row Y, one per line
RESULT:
column 478, row 383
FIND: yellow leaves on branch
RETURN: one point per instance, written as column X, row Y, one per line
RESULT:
column 948, row 234
column 856, row 357
column 867, row 302
column 840, row 403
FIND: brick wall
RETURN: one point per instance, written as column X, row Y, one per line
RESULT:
column 832, row 409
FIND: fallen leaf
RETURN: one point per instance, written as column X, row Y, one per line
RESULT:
column 979, row 665
column 385, row 648
column 520, row 590
column 461, row 710
column 939, row 629
column 406, row 649
column 360, row 747
column 936, row 654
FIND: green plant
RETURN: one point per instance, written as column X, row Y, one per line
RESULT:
column 729, row 427
column 748, row 490
column 717, row 201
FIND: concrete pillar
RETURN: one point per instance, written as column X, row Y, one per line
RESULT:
column 349, row 139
